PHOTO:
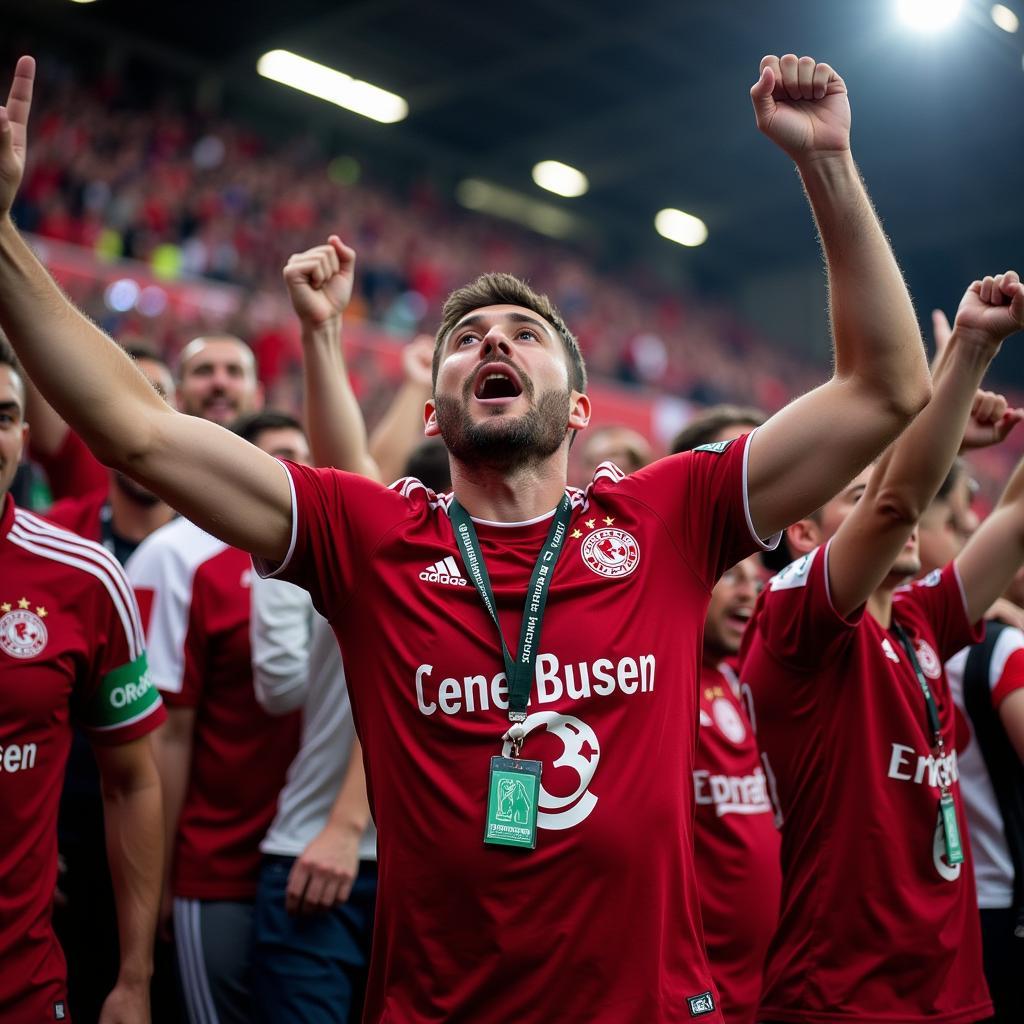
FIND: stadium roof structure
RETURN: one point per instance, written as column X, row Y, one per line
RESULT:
column 650, row 100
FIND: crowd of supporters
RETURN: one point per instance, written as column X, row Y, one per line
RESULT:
column 270, row 873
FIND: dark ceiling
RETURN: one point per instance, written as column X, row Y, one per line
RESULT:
column 650, row 100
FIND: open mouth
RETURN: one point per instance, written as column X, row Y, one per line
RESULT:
column 496, row 382
column 739, row 617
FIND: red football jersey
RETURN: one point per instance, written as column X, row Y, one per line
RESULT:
column 736, row 845
column 70, row 648
column 195, row 594
column 875, row 924
column 72, row 471
column 601, row 923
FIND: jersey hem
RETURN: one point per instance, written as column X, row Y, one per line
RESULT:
column 971, row 1015
column 262, row 565
column 114, row 736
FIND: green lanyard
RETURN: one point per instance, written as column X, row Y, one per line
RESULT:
column 929, row 701
column 519, row 673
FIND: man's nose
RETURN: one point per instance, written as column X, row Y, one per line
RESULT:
column 495, row 342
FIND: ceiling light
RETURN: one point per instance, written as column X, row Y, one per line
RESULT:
column 684, row 228
column 929, row 15
column 333, row 86
column 560, row 178
column 1005, row 18
column 486, row 197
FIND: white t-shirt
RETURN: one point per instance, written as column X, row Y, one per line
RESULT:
column 993, row 865
column 296, row 663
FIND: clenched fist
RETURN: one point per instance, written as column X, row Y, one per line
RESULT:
column 319, row 281
column 992, row 309
column 802, row 107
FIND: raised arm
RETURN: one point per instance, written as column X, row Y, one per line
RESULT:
column 909, row 475
column 400, row 429
column 319, row 283
column 227, row 486
column 808, row 451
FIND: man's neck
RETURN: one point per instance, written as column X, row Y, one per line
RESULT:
column 134, row 521
column 510, row 496
column 880, row 602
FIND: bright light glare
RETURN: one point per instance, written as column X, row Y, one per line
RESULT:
column 560, row 178
column 681, row 227
column 929, row 15
column 333, row 86
column 1005, row 18
column 486, row 197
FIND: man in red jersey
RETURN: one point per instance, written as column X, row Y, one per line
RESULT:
column 856, row 724
column 583, row 905
column 70, row 648
column 222, row 758
column 735, row 842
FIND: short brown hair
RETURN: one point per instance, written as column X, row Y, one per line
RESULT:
column 507, row 290
column 704, row 428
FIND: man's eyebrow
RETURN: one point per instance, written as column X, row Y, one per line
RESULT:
column 519, row 318
column 10, row 406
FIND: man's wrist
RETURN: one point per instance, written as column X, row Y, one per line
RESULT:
column 135, row 974
column 324, row 333
column 831, row 168
column 345, row 828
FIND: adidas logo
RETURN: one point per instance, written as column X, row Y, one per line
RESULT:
column 445, row 571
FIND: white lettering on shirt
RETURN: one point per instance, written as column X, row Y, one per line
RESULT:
column 552, row 681
column 17, row 757
column 907, row 765
column 732, row 794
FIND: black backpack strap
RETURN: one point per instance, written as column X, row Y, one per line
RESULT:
column 1001, row 761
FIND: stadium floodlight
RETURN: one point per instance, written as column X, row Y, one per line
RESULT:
column 560, row 178
column 684, row 228
column 334, row 86
column 498, row 201
column 929, row 15
column 1005, row 18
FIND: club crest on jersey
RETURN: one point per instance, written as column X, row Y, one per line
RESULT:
column 611, row 552
column 22, row 633
column 728, row 720
column 928, row 660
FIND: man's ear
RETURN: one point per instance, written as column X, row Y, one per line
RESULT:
column 803, row 536
column 579, row 411
column 430, row 427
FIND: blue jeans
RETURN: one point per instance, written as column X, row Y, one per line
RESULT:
column 311, row 969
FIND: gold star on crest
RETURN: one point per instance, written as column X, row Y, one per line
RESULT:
column 40, row 611
column 591, row 523
column 23, row 603
column 576, row 534
column 608, row 520
column 5, row 607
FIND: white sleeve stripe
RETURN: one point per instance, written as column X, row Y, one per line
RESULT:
column 772, row 542
column 127, row 612
column 64, row 540
column 1009, row 642
column 828, row 584
column 260, row 564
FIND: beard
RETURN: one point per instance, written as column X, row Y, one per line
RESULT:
column 505, row 442
column 135, row 492
column 906, row 566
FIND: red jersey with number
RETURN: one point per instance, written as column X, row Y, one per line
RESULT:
column 194, row 591
column 72, row 471
column 875, row 925
column 601, row 922
column 70, row 649
column 736, row 844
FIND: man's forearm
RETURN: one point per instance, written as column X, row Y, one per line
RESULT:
column 351, row 809
column 134, row 830
column 337, row 432
column 922, row 456
column 81, row 372
column 877, row 338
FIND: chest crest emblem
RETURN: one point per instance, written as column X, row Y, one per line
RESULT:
column 611, row 552
column 22, row 631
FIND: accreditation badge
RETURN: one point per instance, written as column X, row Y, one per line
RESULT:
column 512, row 794
column 951, row 830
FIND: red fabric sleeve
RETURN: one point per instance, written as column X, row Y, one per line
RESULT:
column 72, row 470
column 1011, row 679
column 700, row 496
column 338, row 519
column 795, row 617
